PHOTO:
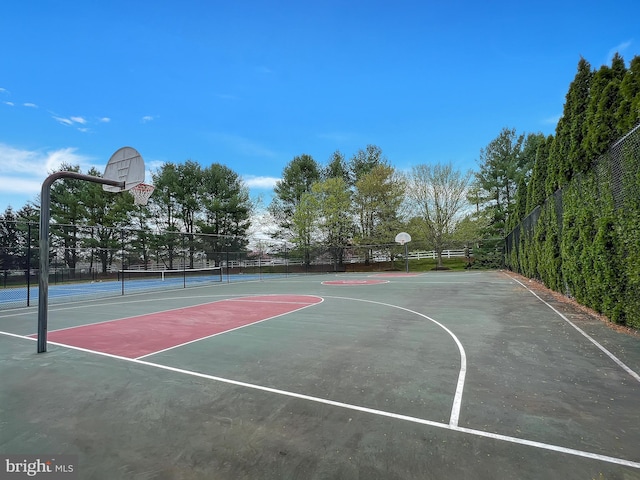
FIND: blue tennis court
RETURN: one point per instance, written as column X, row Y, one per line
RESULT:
column 16, row 297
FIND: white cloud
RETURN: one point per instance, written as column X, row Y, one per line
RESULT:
column 17, row 161
column 66, row 155
column 253, row 181
column 72, row 121
column 34, row 164
column 64, row 121
column 23, row 171
column 151, row 167
column 147, row 118
column 68, row 121
column 20, row 185
column 620, row 48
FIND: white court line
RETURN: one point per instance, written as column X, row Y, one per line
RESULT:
column 373, row 411
column 135, row 316
column 116, row 301
column 117, row 298
column 306, row 305
column 15, row 335
column 585, row 334
column 250, row 299
column 239, row 297
column 457, row 399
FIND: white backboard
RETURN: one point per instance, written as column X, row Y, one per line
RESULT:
column 402, row 238
column 126, row 165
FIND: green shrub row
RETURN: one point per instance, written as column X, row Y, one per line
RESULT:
column 587, row 248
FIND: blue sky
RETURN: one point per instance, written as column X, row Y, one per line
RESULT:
column 252, row 84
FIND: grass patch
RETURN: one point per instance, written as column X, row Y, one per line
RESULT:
column 427, row 264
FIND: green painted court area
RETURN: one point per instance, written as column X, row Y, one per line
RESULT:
column 352, row 376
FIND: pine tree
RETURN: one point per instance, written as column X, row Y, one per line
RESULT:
column 600, row 126
column 502, row 165
column 68, row 213
column 336, row 168
column 579, row 102
column 628, row 113
column 364, row 161
column 567, row 148
column 297, row 178
column 536, row 186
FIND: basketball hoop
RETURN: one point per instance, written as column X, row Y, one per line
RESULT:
column 403, row 238
column 126, row 165
column 141, row 193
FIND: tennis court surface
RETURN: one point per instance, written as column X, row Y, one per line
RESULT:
column 436, row 375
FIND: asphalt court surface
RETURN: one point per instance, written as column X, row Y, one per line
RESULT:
column 437, row 375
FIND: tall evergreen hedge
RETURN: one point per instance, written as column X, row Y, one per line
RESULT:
column 584, row 239
column 584, row 247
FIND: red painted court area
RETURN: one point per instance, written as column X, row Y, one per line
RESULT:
column 142, row 335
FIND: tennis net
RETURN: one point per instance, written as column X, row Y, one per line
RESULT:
column 185, row 276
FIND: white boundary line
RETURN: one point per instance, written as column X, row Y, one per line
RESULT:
column 585, row 334
column 457, row 399
column 116, row 298
column 353, row 283
column 302, row 307
column 372, row 411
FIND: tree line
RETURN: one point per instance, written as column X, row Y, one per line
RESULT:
column 363, row 200
column 601, row 106
column 366, row 202
column 581, row 198
column 188, row 199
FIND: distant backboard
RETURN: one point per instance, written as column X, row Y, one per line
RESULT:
column 402, row 238
column 126, row 165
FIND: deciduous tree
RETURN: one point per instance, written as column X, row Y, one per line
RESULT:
column 335, row 218
column 377, row 201
column 297, row 178
column 438, row 193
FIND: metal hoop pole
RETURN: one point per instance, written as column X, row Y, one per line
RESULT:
column 45, row 217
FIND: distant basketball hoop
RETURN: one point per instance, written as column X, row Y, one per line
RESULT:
column 141, row 193
column 403, row 238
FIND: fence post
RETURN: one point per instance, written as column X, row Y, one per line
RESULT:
column 122, row 246
column 184, row 263
column 28, row 264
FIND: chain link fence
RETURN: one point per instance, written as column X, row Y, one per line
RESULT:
column 584, row 240
column 617, row 173
column 89, row 261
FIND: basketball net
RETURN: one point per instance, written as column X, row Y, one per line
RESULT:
column 141, row 193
